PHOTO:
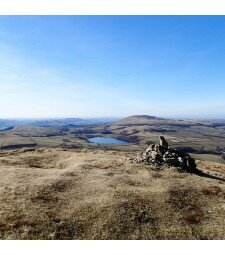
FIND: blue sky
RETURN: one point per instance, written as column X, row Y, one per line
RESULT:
column 112, row 66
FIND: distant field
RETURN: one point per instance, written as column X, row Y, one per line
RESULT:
column 195, row 136
column 209, row 157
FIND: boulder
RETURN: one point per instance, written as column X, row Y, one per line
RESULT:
column 191, row 165
column 159, row 149
column 163, row 142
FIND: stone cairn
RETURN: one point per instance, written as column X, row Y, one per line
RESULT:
column 161, row 155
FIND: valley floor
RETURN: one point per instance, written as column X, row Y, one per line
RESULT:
column 97, row 194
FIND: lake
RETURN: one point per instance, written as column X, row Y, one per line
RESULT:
column 106, row 140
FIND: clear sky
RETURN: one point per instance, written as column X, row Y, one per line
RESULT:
column 112, row 66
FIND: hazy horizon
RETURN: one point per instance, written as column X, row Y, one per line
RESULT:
column 109, row 118
column 112, row 66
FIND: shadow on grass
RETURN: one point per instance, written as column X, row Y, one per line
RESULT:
column 202, row 174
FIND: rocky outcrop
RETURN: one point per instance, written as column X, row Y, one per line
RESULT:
column 160, row 154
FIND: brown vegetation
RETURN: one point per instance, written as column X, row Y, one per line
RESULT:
column 96, row 194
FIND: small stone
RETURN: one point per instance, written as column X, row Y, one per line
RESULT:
column 167, row 154
column 171, row 161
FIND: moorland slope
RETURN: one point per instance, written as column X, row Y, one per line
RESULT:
column 50, row 193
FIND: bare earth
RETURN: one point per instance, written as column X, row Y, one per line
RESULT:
column 96, row 194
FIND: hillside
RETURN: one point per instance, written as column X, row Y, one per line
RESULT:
column 198, row 135
column 98, row 194
column 195, row 136
column 152, row 120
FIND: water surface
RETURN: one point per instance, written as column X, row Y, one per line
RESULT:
column 106, row 140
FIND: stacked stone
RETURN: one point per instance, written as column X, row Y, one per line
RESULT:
column 160, row 154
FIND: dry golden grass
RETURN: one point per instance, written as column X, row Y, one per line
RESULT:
column 96, row 194
column 216, row 169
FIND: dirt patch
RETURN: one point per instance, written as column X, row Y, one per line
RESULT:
column 213, row 191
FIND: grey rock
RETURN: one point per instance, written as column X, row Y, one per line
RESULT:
column 181, row 162
column 163, row 142
column 171, row 161
column 151, row 148
column 155, row 156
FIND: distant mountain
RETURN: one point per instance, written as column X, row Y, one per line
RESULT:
column 128, row 121
column 7, row 123
column 144, row 117
column 153, row 120
column 64, row 122
column 140, row 120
